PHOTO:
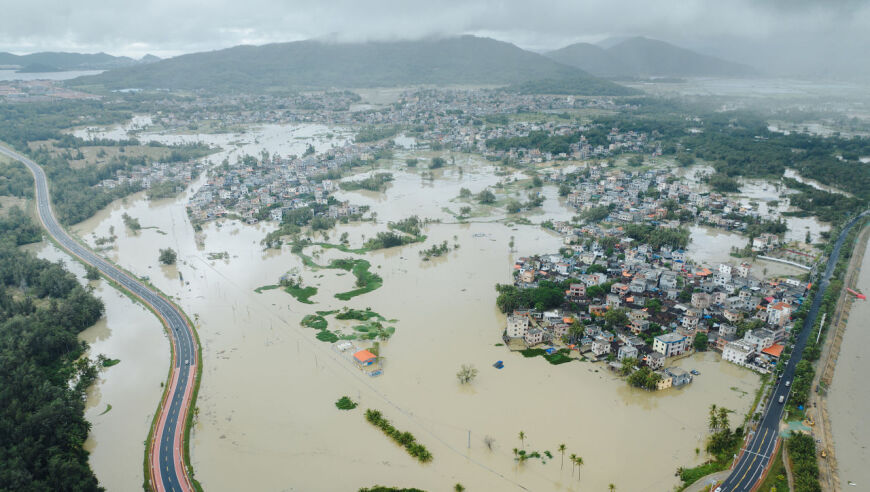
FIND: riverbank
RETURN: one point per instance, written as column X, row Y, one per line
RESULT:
column 844, row 433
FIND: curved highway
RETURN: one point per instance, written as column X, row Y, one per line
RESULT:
column 167, row 470
column 762, row 445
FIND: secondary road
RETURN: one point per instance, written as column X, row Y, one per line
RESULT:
column 762, row 444
column 167, row 470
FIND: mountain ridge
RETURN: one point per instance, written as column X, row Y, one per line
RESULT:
column 463, row 60
column 644, row 57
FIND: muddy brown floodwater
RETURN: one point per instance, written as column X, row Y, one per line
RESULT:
column 266, row 418
column 849, row 400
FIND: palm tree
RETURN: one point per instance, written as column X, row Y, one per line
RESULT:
column 523, row 439
column 723, row 418
column 573, row 459
column 459, row 488
column 611, row 487
column 562, row 450
column 714, row 419
column 516, row 452
column 579, row 464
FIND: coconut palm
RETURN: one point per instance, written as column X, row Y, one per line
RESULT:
column 459, row 488
column 714, row 419
column 562, row 450
column 579, row 460
column 611, row 487
column 723, row 418
column 523, row 439
column 573, row 460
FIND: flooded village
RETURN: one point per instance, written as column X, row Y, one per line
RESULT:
column 594, row 269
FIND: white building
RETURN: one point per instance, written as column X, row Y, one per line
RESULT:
column 779, row 313
column 760, row 339
column 600, row 346
column 626, row 351
column 738, row 352
column 670, row 344
column 517, row 326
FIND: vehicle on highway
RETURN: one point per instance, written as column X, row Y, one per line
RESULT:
column 186, row 362
column 781, row 398
column 787, row 384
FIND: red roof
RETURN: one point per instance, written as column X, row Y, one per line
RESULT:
column 774, row 350
column 364, row 356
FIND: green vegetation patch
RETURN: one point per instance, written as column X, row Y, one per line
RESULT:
column 556, row 358
column 345, row 403
column 405, row 439
column 315, row 321
column 259, row 290
column 805, row 466
column 692, row 475
column 776, row 476
column 110, row 362
column 327, row 336
column 43, row 308
column 359, row 314
column 302, row 294
column 382, row 488
column 366, row 281
column 377, row 182
column 373, row 330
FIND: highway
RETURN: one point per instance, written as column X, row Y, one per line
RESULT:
column 167, row 470
column 762, row 444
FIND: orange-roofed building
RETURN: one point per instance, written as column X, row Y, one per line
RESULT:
column 365, row 358
column 774, row 350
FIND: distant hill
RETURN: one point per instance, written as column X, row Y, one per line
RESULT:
column 466, row 60
column 38, row 68
column 644, row 57
column 58, row 61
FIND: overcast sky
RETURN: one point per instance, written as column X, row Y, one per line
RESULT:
column 785, row 32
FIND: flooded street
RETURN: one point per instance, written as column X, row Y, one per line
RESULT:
column 848, row 399
column 266, row 415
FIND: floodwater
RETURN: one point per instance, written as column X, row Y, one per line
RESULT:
column 791, row 173
column 132, row 388
column 64, row 75
column 266, row 414
column 771, row 199
column 848, row 398
column 711, row 246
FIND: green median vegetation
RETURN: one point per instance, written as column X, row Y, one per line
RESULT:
column 776, row 476
column 405, row 439
column 805, row 466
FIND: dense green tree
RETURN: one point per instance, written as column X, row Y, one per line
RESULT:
column 167, row 256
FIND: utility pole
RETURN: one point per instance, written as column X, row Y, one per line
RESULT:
column 821, row 325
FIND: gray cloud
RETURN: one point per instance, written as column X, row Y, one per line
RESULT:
column 763, row 31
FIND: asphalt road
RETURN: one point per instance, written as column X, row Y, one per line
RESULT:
column 167, row 468
column 762, row 444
